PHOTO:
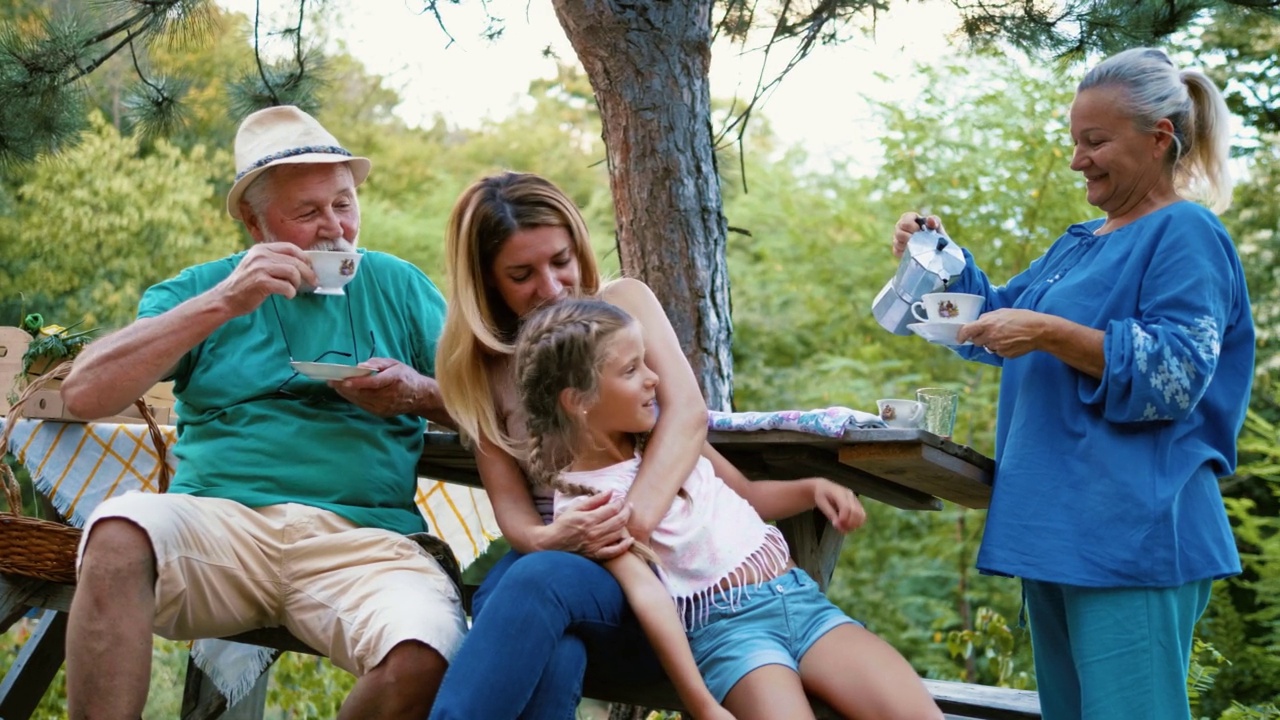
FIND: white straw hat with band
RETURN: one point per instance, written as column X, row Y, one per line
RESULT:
column 285, row 135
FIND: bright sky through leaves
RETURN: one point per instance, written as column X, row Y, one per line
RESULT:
column 818, row 106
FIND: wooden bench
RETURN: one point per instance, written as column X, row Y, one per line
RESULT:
column 909, row 469
column 42, row 655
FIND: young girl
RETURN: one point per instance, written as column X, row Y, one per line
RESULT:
column 744, row 618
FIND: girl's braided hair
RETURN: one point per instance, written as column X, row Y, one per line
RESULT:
column 563, row 346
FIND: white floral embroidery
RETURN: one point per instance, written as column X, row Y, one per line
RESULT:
column 1168, row 374
column 1142, row 344
column 1205, row 338
column 1173, row 378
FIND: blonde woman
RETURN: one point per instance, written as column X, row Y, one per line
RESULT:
column 515, row 242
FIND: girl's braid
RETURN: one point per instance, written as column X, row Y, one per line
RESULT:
column 563, row 347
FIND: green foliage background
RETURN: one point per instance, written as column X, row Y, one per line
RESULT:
column 986, row 147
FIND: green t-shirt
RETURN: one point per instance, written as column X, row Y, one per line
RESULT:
column 250, row 430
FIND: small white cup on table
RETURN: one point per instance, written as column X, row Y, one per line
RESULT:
column 900, row 413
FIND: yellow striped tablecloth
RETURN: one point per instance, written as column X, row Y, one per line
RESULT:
column 78, row 465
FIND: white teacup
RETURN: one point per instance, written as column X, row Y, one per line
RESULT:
column 898, row 413
column 948, row 307
column 333, row 268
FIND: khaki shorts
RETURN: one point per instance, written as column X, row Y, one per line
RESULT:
column 351, row 593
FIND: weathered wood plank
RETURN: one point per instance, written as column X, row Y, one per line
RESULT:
column 817, row 462
column 981, row 701
column 8, row 620
column 444, row 458
column 659, row 695
column 35, row 667
column 958, row 700
column 789, row 462
column 923, row 468
column 872, row 462
column 22, row 592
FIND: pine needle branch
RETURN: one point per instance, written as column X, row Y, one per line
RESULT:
column 257, row 53
column 114, row 29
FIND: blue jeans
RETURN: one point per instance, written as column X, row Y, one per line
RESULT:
column 536, row 620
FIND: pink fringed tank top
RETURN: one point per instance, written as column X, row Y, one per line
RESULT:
column 711, row 542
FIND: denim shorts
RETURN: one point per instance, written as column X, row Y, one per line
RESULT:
column 775, row 624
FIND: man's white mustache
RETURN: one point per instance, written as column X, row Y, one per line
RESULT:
column 336, row 244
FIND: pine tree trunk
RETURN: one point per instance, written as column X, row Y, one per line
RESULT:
column 648, row 61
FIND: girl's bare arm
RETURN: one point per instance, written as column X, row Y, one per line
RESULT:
column 778, row 499
column 677, row 439
column 657, row 614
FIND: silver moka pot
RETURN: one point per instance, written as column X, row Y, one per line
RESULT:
column 928, row 264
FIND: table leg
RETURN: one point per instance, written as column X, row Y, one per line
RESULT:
column 37, row 664
column 815, row 544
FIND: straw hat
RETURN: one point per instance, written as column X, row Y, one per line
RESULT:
column 285, row 135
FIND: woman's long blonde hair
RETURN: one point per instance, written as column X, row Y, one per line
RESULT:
column 480, row 330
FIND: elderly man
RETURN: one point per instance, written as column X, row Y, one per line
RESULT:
column 292, row 495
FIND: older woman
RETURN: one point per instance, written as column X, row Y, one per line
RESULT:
column 1128, row 355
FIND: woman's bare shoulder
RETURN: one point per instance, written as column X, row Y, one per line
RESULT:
column 628, row 293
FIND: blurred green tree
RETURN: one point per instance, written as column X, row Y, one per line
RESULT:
column 90, row 232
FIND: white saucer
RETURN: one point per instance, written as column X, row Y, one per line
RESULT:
column 330, row 371
column 940, row 333
column 313, row 290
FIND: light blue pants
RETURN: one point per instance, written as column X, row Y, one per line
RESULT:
column 1113, row 654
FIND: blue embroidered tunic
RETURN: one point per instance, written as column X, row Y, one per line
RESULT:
column 1113, row 482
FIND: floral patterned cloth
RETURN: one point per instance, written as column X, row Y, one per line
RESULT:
column 829, row 422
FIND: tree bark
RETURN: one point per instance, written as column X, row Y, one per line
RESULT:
column 648, row 62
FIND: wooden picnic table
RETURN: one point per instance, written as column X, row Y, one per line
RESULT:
column 909, row 469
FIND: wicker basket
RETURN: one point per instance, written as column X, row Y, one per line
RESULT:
column 44, row 549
